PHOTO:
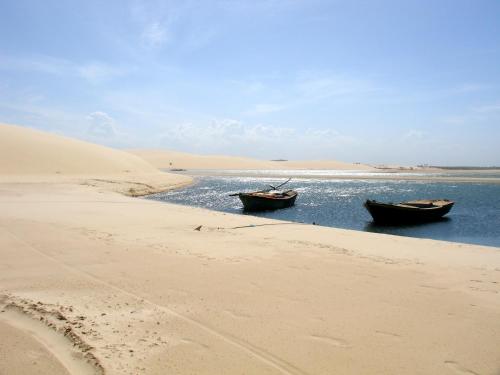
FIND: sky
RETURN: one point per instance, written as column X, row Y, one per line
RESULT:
column 382, row 81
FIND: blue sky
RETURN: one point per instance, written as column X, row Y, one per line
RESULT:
column 402, row 82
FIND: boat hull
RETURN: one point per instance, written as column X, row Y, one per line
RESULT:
column 397, row 214
column 262, row 203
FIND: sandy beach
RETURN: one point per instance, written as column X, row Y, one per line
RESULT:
column 94, row 280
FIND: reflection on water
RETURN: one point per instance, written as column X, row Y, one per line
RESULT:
column 425, row 229
column 475, row 218
column 332, row 173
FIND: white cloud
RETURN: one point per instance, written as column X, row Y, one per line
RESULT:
column 53, row 119
column 97, row 127
column 413, row 135
column 37, row 63
column 261, row 7
column 479, row 114
column 260, row 109
column 101, row 125
column 155, row 34
column 317, row 86
column 94, row 72
column 322, row 133
column 489, row 108
column 218, row 133
column 306, row 88
column 185, row 23
column 97, row 72
column 467, row 88
column 454, row 120
column 198, row 37
column 254, row 87
column 226, row 136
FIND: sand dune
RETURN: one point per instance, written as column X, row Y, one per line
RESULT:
column 29, row 155
column 29, row 151
column 173, row 159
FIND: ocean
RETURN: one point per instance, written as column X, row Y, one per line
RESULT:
column 474, row 219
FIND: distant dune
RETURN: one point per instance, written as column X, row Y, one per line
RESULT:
column 28, row 151
column 30, row 155
column 172, row 159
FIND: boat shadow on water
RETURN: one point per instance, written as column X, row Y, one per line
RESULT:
column 391, row 227
column 276, row 213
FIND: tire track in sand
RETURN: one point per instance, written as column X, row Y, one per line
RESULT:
column 54, row 342
column 256, row 352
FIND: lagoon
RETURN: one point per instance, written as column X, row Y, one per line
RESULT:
column 474, row 219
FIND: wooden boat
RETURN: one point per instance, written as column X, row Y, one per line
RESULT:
column 408, row 212
column 269, row 199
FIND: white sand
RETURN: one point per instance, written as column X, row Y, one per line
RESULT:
column 142, row 292
column 35, row 358
column 31, row 156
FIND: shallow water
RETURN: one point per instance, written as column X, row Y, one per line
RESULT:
column 474, row 219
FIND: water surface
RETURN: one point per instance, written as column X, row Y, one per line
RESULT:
column 474, row 219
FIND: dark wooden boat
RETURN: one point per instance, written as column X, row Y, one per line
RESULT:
column 408, row 212
column 269, row 199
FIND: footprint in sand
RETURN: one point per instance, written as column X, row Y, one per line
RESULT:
column 333, row 341
column 188, row 341
column 433, row 287
column 388, row 334
column 237, row 315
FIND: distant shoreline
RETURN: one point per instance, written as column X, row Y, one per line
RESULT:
column 471, row 168
column 370, row 175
